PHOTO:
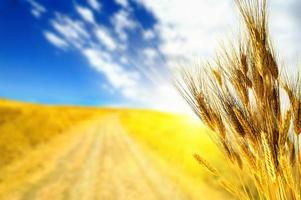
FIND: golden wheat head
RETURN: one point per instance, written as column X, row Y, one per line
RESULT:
column 240, row 99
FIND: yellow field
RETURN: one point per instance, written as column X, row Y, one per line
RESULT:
column 174, row 139
column 23, row 127
column 132, row 143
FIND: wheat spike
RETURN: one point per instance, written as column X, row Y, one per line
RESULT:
column 241, row 100
column 206, row 164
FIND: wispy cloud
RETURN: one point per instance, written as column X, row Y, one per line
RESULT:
column 98, row 44
column 56, row 40
column 122, row 22
column 105, row 38
column 184, row 31
column 119, row 78
column 189, row 29
column 37, row 9
column 193, row 29
column 95, row 4
column 73, row 31
column 150, row 55
column 85, row 13
column 123, row 3
column 148, row 34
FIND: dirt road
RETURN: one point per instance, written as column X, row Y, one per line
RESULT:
column 101, row 162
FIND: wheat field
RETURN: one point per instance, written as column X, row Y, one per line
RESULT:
column 63, row 152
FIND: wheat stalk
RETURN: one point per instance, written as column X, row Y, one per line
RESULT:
column 239, row 98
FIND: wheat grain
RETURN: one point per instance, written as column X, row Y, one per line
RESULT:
column 244, row 106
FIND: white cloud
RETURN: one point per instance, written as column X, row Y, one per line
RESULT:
column 187, row 30
column 95, row 4
column 85, row 13
column 36, row 8
column 190, row 29
column 122, row 22
column 55, row 40
column 71, row 30
column 150, row 56
column 124, row 60
column 98, row 45
column 123, row 3
column 150, row 53
column 105, row 38
column 193, row 29
column 117, row 76
column 99, row 51
column 148, row 34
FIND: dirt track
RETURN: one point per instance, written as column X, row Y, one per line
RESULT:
column 101, row 162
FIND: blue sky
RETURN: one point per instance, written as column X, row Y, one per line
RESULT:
column 118, row 52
